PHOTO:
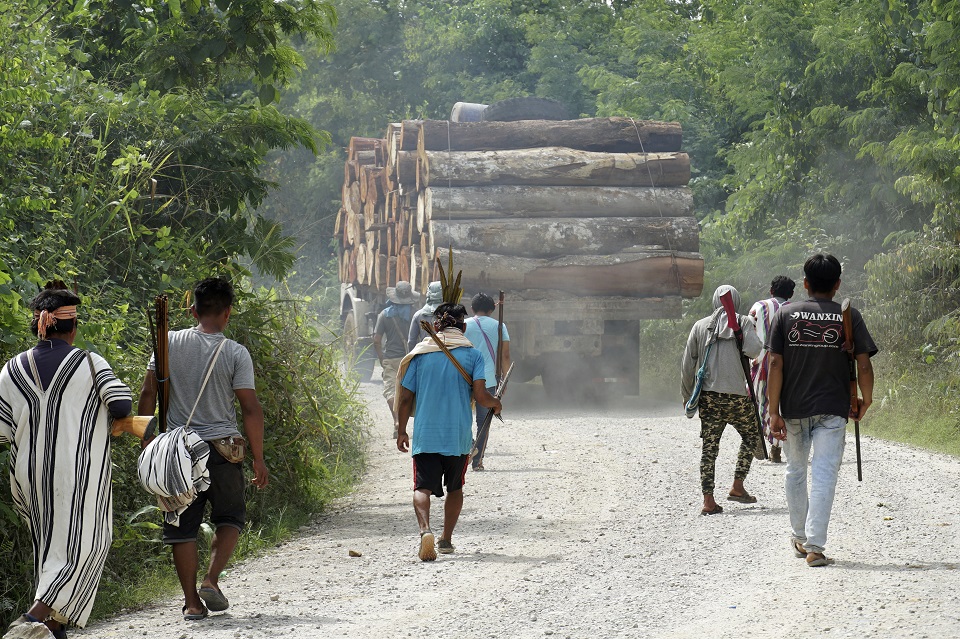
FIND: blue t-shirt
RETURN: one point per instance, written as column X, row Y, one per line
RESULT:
column 475, row 333
column 443, row 422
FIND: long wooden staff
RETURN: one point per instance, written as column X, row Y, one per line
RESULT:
column 499, row 364
column 854, row 397
column 162, row 359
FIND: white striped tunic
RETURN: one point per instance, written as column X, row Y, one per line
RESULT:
column 60, row 474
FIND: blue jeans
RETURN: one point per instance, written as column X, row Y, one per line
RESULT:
column 481, row 440
column 810, row 515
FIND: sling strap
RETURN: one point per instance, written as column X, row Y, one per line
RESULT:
column 493, row 354
column 206, row 379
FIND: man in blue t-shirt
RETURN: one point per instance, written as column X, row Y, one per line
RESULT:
column 442, row 438
column 483, row 332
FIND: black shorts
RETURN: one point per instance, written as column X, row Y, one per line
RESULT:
column 227, row 504
column 433, row 471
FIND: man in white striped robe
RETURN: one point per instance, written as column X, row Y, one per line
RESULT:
column 781, row 290
column 57, row 422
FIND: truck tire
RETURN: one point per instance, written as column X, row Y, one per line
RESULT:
column 358, row 357
column 528, row 108
column 467, row 112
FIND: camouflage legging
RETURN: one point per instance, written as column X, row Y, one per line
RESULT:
column 716, row 411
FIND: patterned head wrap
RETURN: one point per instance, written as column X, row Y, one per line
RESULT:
column 46, row 319
column 449, row 316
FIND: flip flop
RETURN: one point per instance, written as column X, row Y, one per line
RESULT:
column 798, row 549
column 214, row 599
column 716, row 510
column 193, row 616
column 428, row 550
column 817, row 559
column 743, row 499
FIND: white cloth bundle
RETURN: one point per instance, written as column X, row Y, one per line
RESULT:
column 174, row 468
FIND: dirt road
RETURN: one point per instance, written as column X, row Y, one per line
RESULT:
column 586, row 524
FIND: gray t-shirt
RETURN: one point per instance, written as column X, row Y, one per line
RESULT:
column 190, row 352
column 393, row 327
column 416, row 333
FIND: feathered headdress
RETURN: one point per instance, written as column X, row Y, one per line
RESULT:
column 450, row 287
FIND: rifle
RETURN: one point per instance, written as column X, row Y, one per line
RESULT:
column 499, row 362
column 727, row 300
column 847, row 315
column 485, row 426
column 498, row 367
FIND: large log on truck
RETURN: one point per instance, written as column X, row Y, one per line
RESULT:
column 617, row 135
column 552, row 166
column 568, row 236
column 504, row 201
column 627, row 274
column 409, row 134
column 406, row 168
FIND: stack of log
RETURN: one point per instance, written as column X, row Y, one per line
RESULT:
column 596, row 206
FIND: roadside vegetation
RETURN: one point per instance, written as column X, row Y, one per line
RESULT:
column 828, row 126
column 148, row 144
column 132, row 137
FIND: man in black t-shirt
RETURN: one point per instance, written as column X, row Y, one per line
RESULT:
column 809, row 394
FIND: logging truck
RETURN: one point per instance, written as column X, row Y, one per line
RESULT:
column 587, row 226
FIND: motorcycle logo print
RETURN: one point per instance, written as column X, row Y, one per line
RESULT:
column 826, row 332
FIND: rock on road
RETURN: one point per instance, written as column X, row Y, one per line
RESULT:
column 586, row 524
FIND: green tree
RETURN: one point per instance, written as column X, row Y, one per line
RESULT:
column 126, row 182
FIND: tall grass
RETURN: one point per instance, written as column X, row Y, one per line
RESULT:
column 915, row 403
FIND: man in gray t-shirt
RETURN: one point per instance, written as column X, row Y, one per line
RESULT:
column 191, row 351
column 390, row 338
column 208, row 373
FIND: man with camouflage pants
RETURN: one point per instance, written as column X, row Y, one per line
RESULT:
column 724, row 398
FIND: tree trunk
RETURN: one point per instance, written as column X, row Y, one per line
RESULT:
column 568, row 236
column 552, row 166
column 352, row 201
column 349, row 266
column 357, row 145
column 407, row 168
column 414, row 260
column 370, row 262
column 409, row 132
column 360, row 259
column 403, row 264
column 627, row 274
column 370, row 186
column 506, row 201
column 393, row 144
column 616, row 135
column 354, row 229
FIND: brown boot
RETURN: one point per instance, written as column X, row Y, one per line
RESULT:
column 775, row 455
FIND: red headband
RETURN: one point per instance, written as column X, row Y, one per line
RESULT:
column 46, row 319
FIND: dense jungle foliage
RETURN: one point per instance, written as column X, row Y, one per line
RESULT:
column 812, row 126
column 132, row 136
column 141, row 143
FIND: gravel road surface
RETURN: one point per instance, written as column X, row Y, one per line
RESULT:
column 586, row 524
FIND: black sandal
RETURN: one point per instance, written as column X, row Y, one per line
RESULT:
column 194, row 616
